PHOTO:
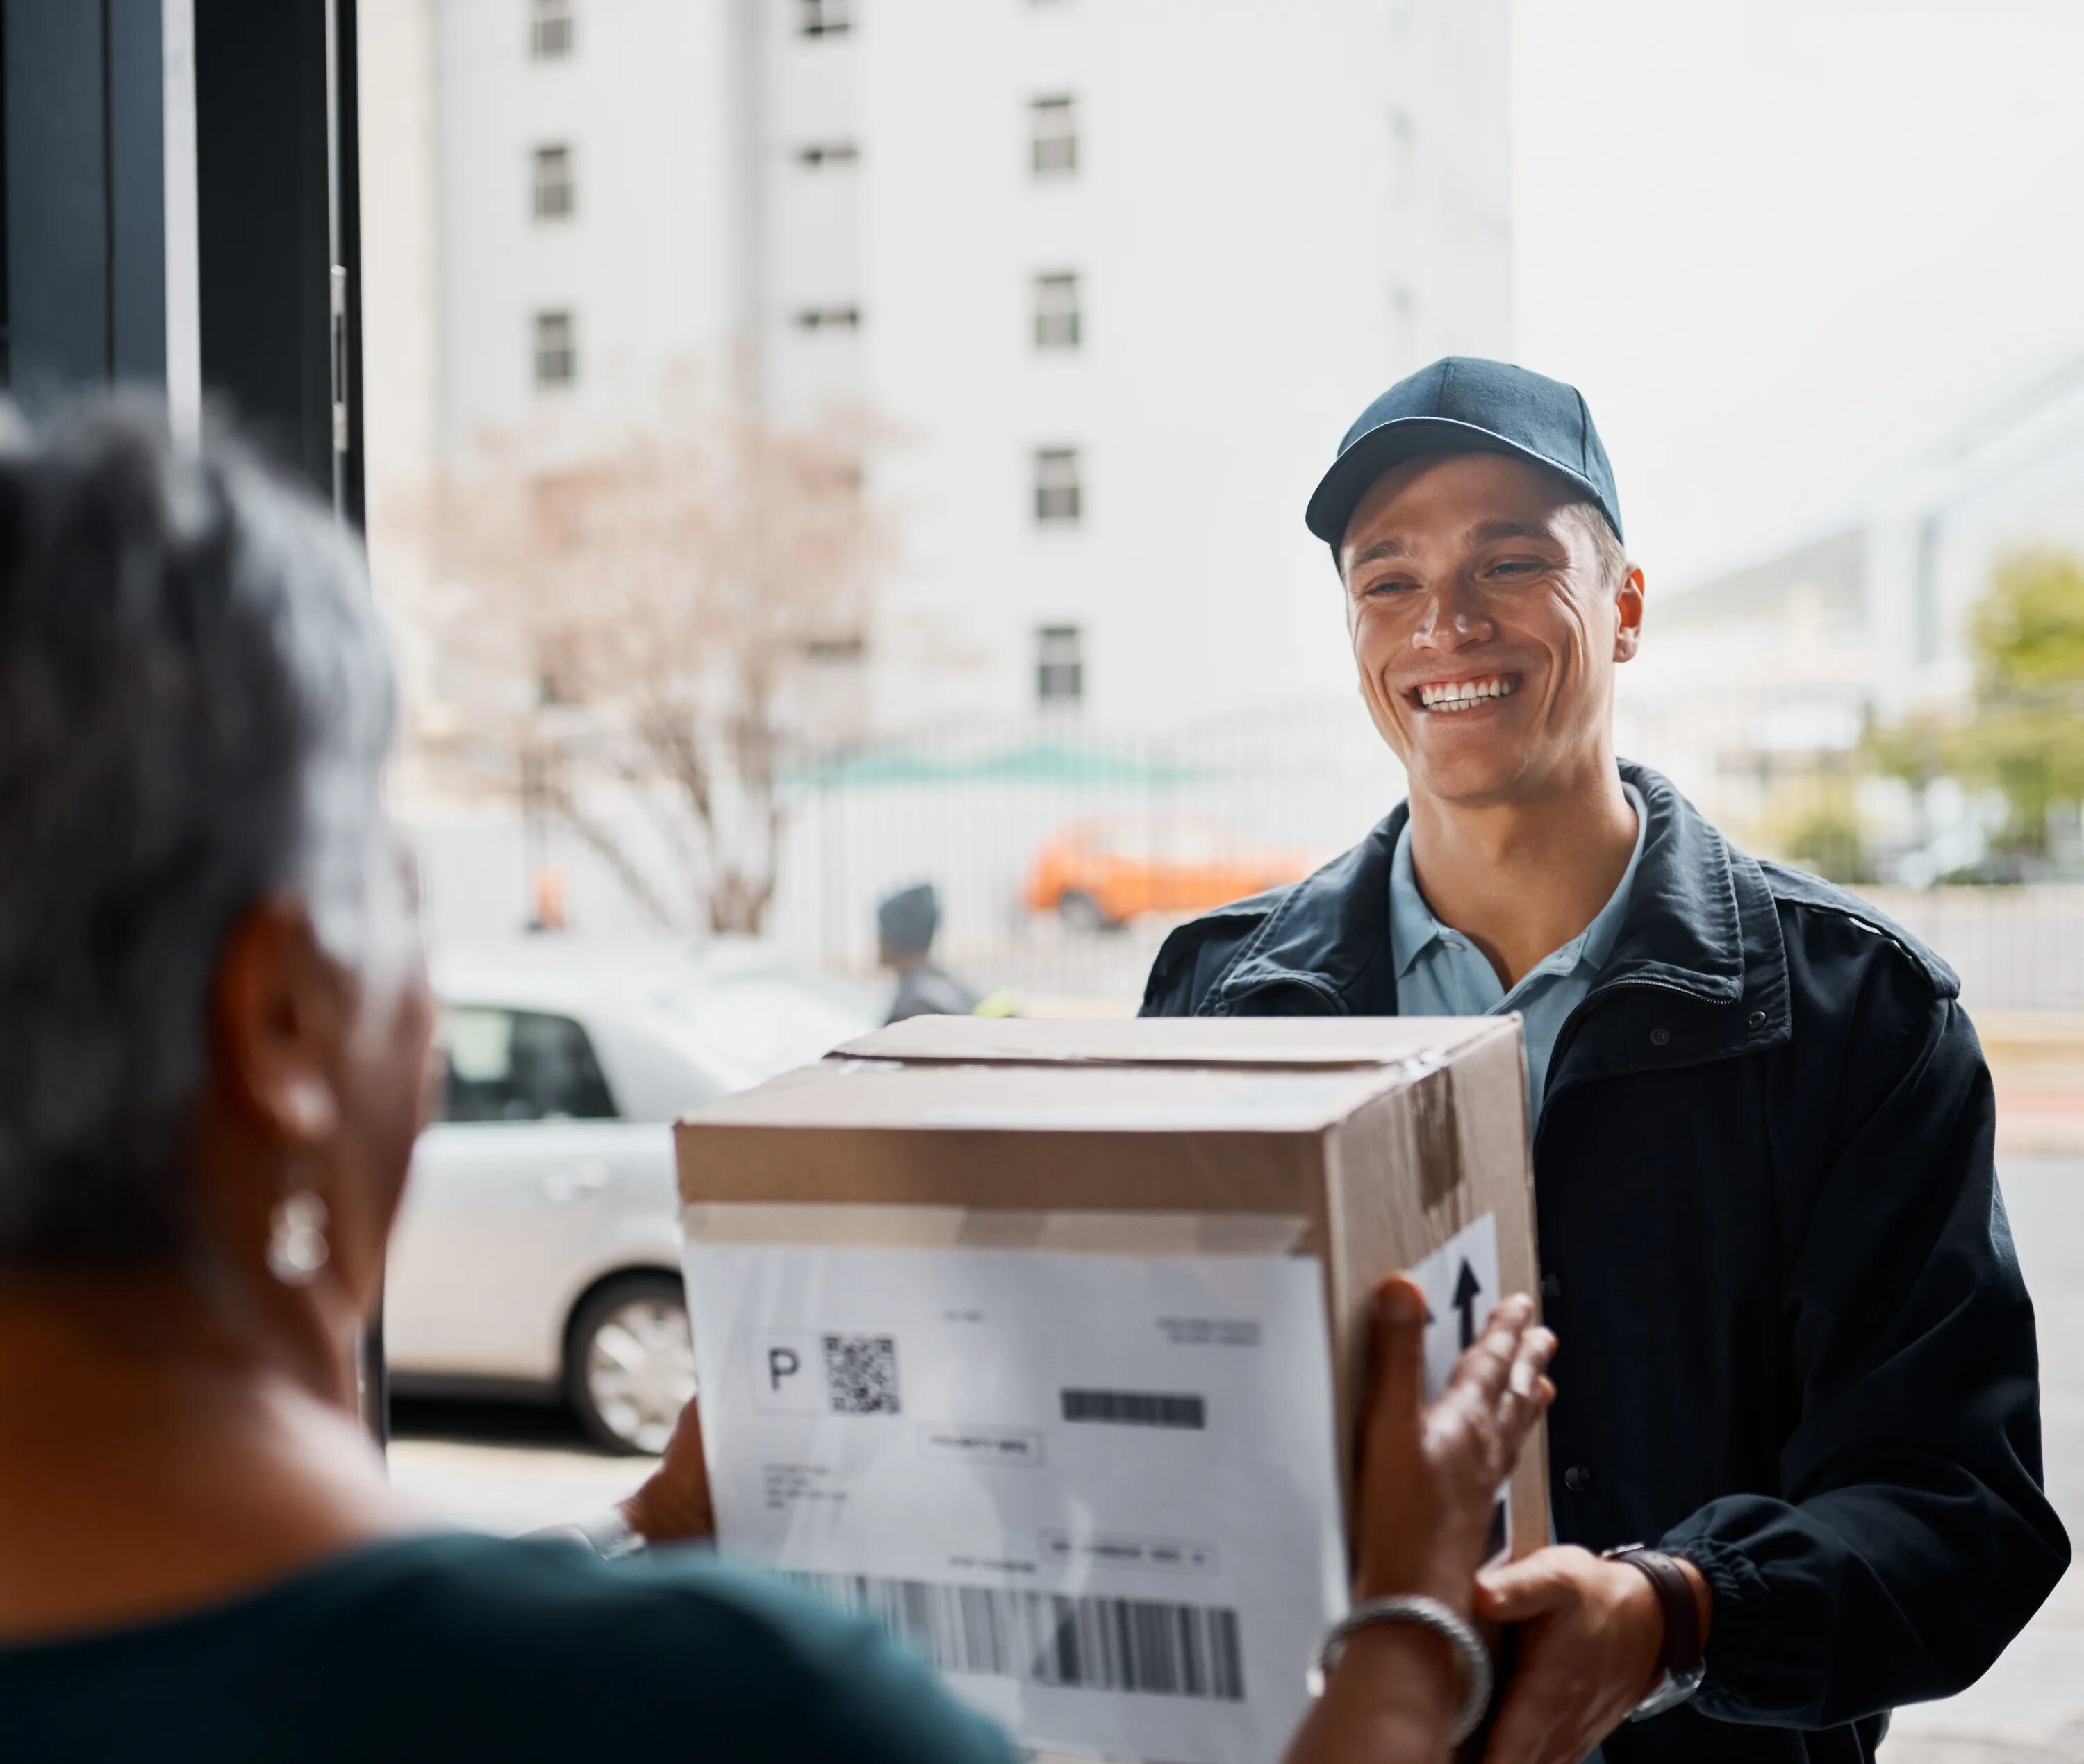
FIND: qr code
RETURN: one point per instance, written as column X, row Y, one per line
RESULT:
column 861, row 1374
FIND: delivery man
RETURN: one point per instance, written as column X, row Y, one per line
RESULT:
column 1800, row 1361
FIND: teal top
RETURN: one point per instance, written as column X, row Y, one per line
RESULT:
column 1440, row 973
column 433, row 1649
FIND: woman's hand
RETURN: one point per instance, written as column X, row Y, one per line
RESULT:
column 673, row 1505
column 1429, row 1478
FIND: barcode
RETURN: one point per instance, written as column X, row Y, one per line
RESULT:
column 1135, row 1408
column 1072, row 1642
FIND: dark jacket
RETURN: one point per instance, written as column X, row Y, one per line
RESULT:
column 931, row 991
column 1796, row 1345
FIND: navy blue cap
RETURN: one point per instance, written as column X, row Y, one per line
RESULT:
column 1465, row 404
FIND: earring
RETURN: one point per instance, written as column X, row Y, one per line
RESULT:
column 297, row 1246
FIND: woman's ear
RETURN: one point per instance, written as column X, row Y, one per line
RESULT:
column 280, row 1019
column 1628, row 630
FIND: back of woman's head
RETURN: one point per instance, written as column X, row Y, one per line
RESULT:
column 195, row 704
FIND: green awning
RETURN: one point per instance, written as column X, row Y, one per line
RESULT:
column 1035, row 762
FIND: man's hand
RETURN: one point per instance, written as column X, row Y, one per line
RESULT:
column 673, row 1505
column 1592, row 1631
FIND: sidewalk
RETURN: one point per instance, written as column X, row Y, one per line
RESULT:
column 2037, row 1064
column 2028, row 1709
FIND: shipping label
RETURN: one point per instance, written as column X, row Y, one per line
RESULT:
column 1097, row 1493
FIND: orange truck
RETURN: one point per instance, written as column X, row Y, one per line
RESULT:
column 1103, row 873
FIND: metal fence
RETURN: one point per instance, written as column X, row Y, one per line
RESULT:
column 988, row 810
column 983, row 809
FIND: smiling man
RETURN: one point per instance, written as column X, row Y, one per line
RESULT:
column 1797, row 1358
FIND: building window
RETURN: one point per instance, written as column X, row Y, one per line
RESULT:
column 1057, row 312
column 1060, row 665
column 829, row 318
column 819, row 154
column 550, row 29
column 556, row 196
column 1056, row 137
column 557, row 350
column 1057, row 501
column 824, row 17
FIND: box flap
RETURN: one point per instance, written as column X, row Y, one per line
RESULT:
column 1193, row 1041
column 1088, row 1097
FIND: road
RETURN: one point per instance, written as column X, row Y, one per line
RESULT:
column 507, row 1469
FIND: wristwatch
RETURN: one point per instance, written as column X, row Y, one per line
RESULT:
column 1683, row 1663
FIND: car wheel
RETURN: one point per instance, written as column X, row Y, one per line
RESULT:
column 630, row 1366
column 1081, row 911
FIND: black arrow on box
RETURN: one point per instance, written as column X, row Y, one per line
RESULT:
column 1468, row 1288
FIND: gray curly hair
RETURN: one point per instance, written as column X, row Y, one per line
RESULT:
column 196, row 704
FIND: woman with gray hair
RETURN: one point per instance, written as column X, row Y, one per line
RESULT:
column 214, row 1021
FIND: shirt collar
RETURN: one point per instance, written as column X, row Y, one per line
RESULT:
column 1600, row 935
column 1413, row 929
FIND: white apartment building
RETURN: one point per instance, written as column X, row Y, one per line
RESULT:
column 1112, row 275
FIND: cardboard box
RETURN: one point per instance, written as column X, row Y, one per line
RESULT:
column 944, row 1168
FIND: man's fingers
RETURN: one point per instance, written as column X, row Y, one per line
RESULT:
column 1517, row 1601
column 1520, row 1590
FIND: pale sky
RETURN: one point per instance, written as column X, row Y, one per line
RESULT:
column 1749, row 230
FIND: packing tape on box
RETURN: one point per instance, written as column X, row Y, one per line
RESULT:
column 1083, row 1232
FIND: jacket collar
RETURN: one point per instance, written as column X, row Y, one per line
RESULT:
column 1701, row 923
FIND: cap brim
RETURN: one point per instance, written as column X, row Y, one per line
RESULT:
column 1339, row 492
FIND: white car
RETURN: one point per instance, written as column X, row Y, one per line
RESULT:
column 538, row 1250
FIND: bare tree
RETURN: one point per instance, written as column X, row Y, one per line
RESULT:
column 642, row 637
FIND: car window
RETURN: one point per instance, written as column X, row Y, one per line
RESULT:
column 505, row 1065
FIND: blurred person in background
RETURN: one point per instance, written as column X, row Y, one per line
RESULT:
column 1802, row 1360
column 906, row 923
column 214, row 1024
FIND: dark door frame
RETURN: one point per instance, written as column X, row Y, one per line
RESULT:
column 277, row 299
column 83, row 215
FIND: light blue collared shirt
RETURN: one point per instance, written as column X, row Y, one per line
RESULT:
column 1440, row 973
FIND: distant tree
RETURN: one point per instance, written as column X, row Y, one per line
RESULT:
column 2024, row 734
column 1812, row 818
column 2027, row 629
column 639, row 637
